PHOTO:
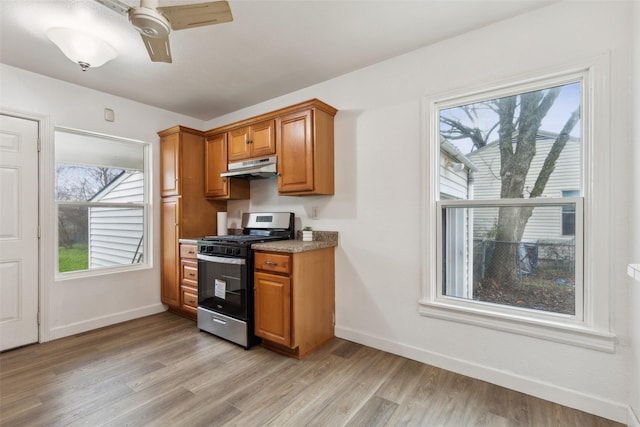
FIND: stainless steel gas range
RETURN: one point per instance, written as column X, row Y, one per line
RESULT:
column 225, row 276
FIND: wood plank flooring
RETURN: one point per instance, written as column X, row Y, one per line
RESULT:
column 161, row 371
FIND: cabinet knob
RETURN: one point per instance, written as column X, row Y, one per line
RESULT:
column 249, row 141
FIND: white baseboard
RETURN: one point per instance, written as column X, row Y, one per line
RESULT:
column 100, row 322
column 574, row 399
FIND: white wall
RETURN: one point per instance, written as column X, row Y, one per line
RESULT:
column 77, row 305
column 376, row 207
column 634, row 300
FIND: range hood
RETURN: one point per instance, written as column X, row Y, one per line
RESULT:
column 253, row 169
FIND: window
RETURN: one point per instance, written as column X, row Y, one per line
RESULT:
column 101, row 201
column 509, row 238
column 569, row 215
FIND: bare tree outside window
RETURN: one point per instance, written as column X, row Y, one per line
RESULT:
column 513, row 148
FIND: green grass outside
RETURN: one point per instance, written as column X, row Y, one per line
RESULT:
column 74, row 259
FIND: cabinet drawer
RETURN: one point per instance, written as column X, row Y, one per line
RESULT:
column 278, row 263
column 189, row 272
column 188, row 251
column 189, row 299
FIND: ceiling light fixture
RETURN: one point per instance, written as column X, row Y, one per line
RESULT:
column 83, row 49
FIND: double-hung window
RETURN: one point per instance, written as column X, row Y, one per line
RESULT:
column 507, row 236
column 101, row 193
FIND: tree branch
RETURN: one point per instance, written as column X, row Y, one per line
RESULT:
column 550, row 161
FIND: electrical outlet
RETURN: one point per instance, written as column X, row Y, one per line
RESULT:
column 314, row 212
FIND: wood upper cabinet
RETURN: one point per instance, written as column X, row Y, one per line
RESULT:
column 186, row 212
column 294, row 300
column 252, row 141
column 305, row 152
column 170, row 165
column 217, row 187
column 300, row 135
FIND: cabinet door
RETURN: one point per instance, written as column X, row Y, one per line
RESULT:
column 295, row 153
column 216, row 163
column 263, row 139
column 238, row 139
column 170, row 165
column 273, row 308
column 170, row 228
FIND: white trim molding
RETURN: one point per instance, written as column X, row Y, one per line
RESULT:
column 591, row 404
column 590, row 327
column 100, row 322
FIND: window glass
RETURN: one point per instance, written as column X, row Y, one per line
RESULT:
column 100, row 194
column 504, row 165
column 569, row 215
column 537, row 274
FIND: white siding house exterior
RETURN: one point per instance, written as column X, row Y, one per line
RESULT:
column 545, row 223
column 115, row 233
column 456, row 183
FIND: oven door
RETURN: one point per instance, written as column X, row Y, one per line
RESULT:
column 222, row 285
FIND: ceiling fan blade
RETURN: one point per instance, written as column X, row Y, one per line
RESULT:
column 158, row 48
column 197, row 15
column 116, row 5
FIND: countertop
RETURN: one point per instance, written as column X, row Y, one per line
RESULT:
column 297, row 245
column 192, row 241
column 321, row 240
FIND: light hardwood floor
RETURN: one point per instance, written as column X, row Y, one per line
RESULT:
column 160, row 370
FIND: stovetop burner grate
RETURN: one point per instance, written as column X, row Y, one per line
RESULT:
column 241, row 238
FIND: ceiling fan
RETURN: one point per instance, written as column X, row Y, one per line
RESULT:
column 155, row 23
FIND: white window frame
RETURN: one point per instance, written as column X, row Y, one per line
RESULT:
column 590, row 326
column 145, row 205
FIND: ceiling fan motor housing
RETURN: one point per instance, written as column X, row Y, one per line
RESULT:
column 149, row 22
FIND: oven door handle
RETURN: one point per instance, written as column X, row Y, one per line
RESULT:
column 222, row 260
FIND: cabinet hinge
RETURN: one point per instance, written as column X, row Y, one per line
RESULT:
column 38, row 145
column 38, row 317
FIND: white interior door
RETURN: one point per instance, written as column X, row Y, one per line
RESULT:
column 18, row 232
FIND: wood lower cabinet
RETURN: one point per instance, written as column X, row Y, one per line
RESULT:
column 185, row 212
column 295, row 300
column 189, row 278
column 216, row 186
column 169, row 235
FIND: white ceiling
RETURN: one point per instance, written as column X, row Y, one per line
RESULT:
column 271, row 48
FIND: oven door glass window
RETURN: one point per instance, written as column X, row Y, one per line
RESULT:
column 222, row 285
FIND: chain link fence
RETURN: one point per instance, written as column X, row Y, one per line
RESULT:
column 552, row 260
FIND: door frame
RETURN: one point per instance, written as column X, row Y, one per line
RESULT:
column 46, row 216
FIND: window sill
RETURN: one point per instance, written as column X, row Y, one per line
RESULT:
column 79, row 274
column 576, row 335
